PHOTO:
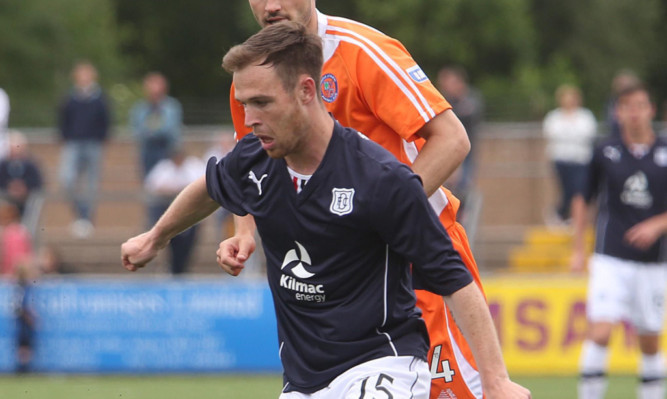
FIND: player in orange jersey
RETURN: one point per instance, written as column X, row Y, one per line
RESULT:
column 371, row 83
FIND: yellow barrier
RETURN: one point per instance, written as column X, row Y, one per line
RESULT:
column 541, row 324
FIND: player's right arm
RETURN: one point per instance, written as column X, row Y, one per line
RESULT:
column 408, row 224
column 190, row 206
column 473, row 317
column 234, row 251
column 579, row 211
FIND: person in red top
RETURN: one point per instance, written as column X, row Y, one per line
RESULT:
column 371, row 83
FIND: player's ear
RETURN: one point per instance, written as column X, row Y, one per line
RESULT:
column 307, row 89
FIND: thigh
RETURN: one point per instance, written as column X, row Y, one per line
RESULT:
column 389, row 377
column 385, row 378
column 609, row 289
column 649, row 298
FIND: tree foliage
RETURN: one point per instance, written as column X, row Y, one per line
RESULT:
column 40, row 40
column 516, row 51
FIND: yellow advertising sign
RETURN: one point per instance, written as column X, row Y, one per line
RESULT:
column 541, row 324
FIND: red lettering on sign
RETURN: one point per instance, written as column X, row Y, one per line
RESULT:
column 530, row 315
column 496, row 313
column 575, row 329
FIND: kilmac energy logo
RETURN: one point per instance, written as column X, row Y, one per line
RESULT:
column 296, row 262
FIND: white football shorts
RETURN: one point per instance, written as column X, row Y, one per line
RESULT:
column 620, row 289
column 386, row 377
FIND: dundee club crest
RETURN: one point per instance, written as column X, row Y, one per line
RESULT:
column 341, row 201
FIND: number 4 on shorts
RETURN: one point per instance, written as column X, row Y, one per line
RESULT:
column 446, row 373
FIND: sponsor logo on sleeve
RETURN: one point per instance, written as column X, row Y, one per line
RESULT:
column 417, row 74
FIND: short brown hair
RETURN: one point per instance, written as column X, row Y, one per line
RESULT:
column 287, row 46
column 632, row 89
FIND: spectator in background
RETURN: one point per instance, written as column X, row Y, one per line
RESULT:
column 20, row 175
column 468, row 104
column 569, row 131
column 165, row 180
column 4, row 122
column 156, row 122
column 84, row 120
column 222, row 146
column 623, row 79
column 15, row 240
column 26, row 319
column 49, row 261
column 628, row 271
column 663, row 120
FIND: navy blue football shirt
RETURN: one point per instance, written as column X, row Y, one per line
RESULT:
column 338, row 253
column 630, row 189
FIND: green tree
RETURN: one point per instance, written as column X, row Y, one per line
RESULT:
column 40, row 40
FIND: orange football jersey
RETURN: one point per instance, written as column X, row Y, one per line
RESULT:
column 371, row 83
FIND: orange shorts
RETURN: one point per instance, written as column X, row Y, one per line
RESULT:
column 453, row 369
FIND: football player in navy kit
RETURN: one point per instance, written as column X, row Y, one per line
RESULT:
column 628, row 269
column 339, row 244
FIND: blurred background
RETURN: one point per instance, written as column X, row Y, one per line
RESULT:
column 89, row 317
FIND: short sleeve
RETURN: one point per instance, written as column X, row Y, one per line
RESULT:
column 593, row 169
column 223, row 184
column 396, row 89
column 406, row 221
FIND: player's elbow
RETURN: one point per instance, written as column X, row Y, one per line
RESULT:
column 462, row 141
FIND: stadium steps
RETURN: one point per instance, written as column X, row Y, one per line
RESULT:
column 545, row 250
column 120, row 212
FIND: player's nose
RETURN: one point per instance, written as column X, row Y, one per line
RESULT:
column 251, row 119
column 273, row 6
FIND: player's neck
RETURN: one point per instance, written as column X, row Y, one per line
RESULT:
column 309, row 156
column 640, row 136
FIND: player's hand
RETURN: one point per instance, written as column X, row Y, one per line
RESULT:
column 136, row 252
column 578, row 262
column 233, row 252
column 643, row 234
column 506, row 389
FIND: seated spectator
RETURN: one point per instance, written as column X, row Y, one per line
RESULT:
column 20, row 175
column 49, row 261
column 15, row 240
column 163, row 183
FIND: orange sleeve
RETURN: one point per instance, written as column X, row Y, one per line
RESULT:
column 396, row 89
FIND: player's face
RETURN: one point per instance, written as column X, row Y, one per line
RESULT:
column 273, row 113
column 635, row 111
column 268, row 12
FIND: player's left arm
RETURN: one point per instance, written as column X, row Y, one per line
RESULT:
column 644, row 234
column 473, row 317
column 446, row 147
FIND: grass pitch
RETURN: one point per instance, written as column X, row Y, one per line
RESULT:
column 230, row 387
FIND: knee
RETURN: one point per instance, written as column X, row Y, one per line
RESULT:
column 600, row 334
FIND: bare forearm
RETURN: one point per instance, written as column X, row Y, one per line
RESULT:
column 473, row 317
column 579, row 222
column 188, row 208
column 446, row 147
column 244, row 225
